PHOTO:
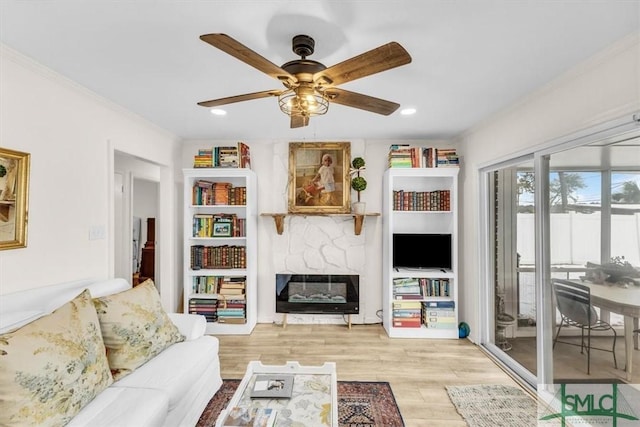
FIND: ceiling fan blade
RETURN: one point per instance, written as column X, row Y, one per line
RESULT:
column 246, row 55
column 363, row 102
column 382, row 58
column 299, row 121
column 239, row 98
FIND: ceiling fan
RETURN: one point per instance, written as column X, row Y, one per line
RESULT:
column 310, row 86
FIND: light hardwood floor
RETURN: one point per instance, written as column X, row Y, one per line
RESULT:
column 570, row 364
column 417, row 369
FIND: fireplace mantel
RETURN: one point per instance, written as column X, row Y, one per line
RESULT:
column 278, row 218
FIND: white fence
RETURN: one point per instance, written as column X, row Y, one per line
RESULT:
column 575, row 238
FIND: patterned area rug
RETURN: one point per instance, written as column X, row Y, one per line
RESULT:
column 494, row 406
column 360, row 404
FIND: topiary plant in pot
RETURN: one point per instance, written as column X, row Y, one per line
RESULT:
column 358, row 183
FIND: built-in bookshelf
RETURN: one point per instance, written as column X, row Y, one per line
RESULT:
column 220, row 248
column 420, row 253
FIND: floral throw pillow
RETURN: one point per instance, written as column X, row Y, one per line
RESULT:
column 52, row 367
column 135, row 328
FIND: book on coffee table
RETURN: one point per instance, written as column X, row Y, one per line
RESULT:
column 273, row 386
column 250, row 417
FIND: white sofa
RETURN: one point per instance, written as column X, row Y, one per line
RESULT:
column 172, row 389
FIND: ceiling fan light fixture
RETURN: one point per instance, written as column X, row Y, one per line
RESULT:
column 303, row 101
column 309, row 85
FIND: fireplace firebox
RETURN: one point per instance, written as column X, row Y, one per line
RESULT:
column 317, row 293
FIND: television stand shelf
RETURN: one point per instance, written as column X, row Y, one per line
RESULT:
column 278, row 218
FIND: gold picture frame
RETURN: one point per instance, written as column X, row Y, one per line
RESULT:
column 14, row 196
column 312, row 188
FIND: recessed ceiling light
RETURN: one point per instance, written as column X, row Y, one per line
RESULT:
column 408, row 111
column 218, row 112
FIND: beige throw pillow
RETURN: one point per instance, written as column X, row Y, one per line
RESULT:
column 135, row 328
column 52, row 367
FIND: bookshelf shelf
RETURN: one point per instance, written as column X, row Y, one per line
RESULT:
column 213, row 264
column 421, row 301
column 358, row 220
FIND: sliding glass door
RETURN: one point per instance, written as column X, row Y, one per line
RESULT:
column 571, row 215
column 512, row 250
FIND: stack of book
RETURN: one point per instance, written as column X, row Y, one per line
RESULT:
column 205, row 306
column 407, row 314
column 232, row 287
column 231, row 291
column 404, row 156
column 439, row 315
column 229, row 156
column 406, row 288
column 204, row 158
column 232, row 309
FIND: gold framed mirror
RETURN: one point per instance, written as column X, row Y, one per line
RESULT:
column 14, row 198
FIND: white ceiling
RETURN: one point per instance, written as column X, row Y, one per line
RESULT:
column 470, row 58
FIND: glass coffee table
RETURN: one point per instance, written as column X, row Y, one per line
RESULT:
column 313, row 401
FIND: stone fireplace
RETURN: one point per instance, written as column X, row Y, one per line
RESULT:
column 317, row 293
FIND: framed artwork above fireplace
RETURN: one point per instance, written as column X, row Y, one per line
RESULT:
column 319, row 180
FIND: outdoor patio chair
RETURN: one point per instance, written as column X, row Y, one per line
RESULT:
column 574, row 303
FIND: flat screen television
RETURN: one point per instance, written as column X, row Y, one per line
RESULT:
column 422, row 251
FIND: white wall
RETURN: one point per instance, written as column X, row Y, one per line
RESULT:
column 602, row 88
column 71, row 135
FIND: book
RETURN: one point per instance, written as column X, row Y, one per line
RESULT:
column 407, row 304
column 228, row 157
column 441, row 325
column 232, row 285
column 250, row 417
column 245, row 155
column 408, row 296
column 407, row 323
column 231, row 291
column 233, row 320
column 440, row 304
column 273, row 386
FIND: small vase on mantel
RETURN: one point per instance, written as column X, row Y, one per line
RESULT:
column 358, row 208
